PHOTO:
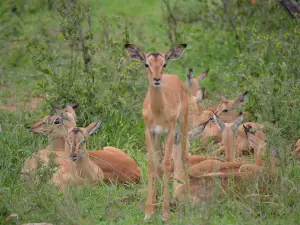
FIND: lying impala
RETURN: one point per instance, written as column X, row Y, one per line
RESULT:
column 205, row 172
column 115, row 164
column 74, row 167
column 165, row 111
column 229, row 141
column 296, row 152
column 226, row 111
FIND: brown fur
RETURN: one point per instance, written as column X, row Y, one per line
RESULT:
column 116, row 165
column 165, row 110
column 68, row 172
column 193, row 83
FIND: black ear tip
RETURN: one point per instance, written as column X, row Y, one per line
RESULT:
column 74, row 106
column 190, row 70
column 241, row 113
column 246, row 92
column 184, row 45
column 206, row 71
column 127, row 45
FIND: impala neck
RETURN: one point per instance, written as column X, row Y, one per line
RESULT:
column 56, row 144
column 156, row 99
column 228, row 140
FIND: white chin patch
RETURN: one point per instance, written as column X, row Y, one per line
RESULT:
column 156, row 84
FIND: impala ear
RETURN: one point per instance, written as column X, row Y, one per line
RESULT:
column 223, row 99
column 238, row 121
column 134, row 52
column 175, row 52
column 203, row 75
column 190, row 74
column 219, row 123
column 241, row 98
column 92, row 128
column 74, row 106
column 189, row 77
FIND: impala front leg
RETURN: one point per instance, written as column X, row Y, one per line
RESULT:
column 151, row 197
column 167, row 170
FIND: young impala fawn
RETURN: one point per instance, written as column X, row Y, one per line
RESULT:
column 165, row 111
column 259, row 148
column 193, row 83
column 115, row 164
column 228, row 140
column 226, row 112
column 230, row 144
column 74, row 164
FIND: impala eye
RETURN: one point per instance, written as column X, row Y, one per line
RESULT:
column 225, row 110
column 83, row 141
column 164, row 66
column 147, row 65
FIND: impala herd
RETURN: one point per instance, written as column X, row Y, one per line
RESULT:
column 172, row 108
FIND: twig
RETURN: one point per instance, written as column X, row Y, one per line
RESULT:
column 231, row 20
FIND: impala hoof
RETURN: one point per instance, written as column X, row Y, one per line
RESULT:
column 165, row 217
column 148, row 217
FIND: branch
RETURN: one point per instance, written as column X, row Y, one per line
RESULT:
column 231, row 20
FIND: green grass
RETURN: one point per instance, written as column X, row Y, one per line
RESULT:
column 264, row 60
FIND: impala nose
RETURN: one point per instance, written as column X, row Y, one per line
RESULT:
column 156, row 82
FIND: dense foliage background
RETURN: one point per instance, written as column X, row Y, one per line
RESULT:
column 72, row 51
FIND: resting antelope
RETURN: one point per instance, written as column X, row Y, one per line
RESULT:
column 226, row 112
column 193, row 83
column 204, row 174
column 115, row 164
column 74, row 163
column 165, row 111
column 296, row 152
column 259, row 147
column 228, row 140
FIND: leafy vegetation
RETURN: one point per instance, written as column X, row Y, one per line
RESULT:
column 72, row 51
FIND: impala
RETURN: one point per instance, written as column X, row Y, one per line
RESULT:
column 228, row 140
column 74, row 163
column 51, row 126
column 192, row 83
column 296, row 152
column 165, row 112
column 226, row 111
column 204, row 174
column 115, row 164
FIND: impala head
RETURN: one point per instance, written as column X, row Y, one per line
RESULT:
column 77, row 138
column 229, row 133
column 155, row 62
column 232, row 127
column 67, row 113
column 226, row 110
column 56, row 124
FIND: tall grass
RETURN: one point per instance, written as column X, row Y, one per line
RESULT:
column 246, row 47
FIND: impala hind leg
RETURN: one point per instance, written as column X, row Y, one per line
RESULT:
column 179, row 156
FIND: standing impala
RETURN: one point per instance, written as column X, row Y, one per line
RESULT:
column 165, row 111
